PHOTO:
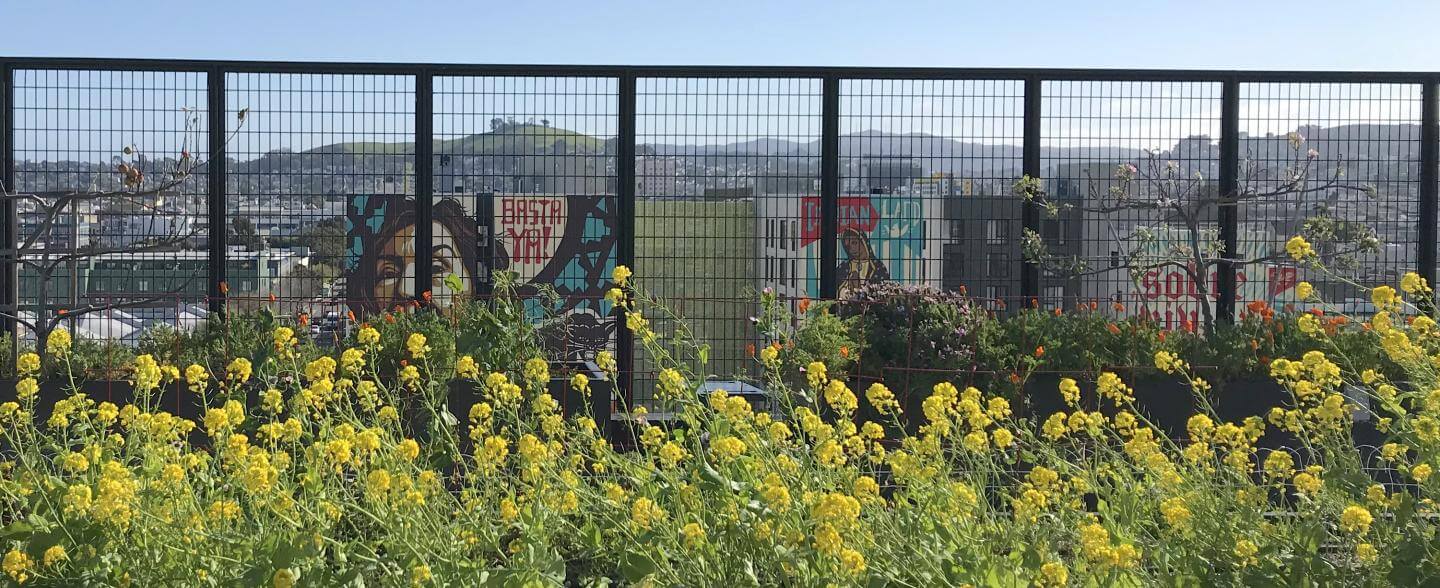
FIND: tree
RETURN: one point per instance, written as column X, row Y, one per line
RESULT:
column 1143, row 201
column 142, row 182
column 242, row 232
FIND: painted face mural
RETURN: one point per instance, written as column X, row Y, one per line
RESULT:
column 564, row 244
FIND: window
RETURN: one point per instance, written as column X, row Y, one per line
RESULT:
column 997, row 231
column 794, row 234
column 1054, row 295
column 997, row 292
column 957, row 229
column 782, row 235
column 1114, row 258
column 997, row 265
column 794, row 275
column 783, row 274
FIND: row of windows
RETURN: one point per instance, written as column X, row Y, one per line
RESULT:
column 787, row 238
column 777, row 271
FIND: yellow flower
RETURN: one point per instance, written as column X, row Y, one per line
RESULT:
column 26, row 389
column 727, row 448
column 1413, row 284
column 284, row 578
column 408, row 449
column 1304, row 290
column 1298, row 248
column 1070, row 392
column 852, row 562
column 1110, row 386
column 815, row 374
column 415, row 344
column 285, row 342
column 239, row 370
column 29, row 363
column 410, row 376
column 770, row 355
column 1306, row 483
column 1002, row 437
column 1053, row 575
column 1355, row 519
column 1385, row 298
column 881, row 398
column 1421, row 472
column 1246, row 550
column 620, row 275
column 420, row 575
column 840, row 398
column 54, row 555
column 692, row 534
column 367, row 336
column 1176, row 514
column 644, row 513
column 17, row 565
column 196, row 376
column 537, row 371
column 1366, row 553
column 58, row 343
column 605, row 361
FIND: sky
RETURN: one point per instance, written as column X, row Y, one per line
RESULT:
column 1221, row 34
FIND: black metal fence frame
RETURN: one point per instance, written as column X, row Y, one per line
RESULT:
column 831, row 78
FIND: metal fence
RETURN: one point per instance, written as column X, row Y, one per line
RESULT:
column 712, row 182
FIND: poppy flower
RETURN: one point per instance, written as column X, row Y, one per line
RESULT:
column 1113, row 328
column 804, row 305
column 750, row 349
column 1039, row 351
column 224, row 288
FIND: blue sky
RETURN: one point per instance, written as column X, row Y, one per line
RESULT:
column 1253, row 34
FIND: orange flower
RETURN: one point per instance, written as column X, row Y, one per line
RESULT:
column 389, row 318
column 1316, row 312
column 1094, row 306
column 224, row 288
column 1000, row 304
column 1057, row 312
column 1187, row 325
column 304, row 319
column 426, row 295
column 350, row 314
column 1254, row 345
column 272, row 297
column 1114, row 330
column 1162, row 336
column 63, row 312
column 1118, row 307
column 1039, row 351
column 1034, row 303
column 844, row 352
column 750, row 349
column 1014, row 378
column 404, row 362
column 962, row 289
column 804, row 305
column 1256, row 307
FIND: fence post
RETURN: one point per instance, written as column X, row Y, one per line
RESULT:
column 1030, row 166
column 424, row 180
column 625, row 228
column 829, row 185
column 9, row 221
column 1228, row 215
column 217, row 120
column 1429, row 160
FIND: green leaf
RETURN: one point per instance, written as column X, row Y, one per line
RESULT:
column 453, row 282
column 634, row 567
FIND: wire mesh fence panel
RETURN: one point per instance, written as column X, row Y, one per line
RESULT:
column 320, row 195
column 1131, row 168
column 525, row 183
column 116, row 237
column 727, row 186
column 926, row 169
column 1338, row 164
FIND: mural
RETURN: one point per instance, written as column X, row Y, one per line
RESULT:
column 881, row 237
column 1171, row 298
column 564, row 242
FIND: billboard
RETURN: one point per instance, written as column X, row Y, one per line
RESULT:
column 559, row 242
